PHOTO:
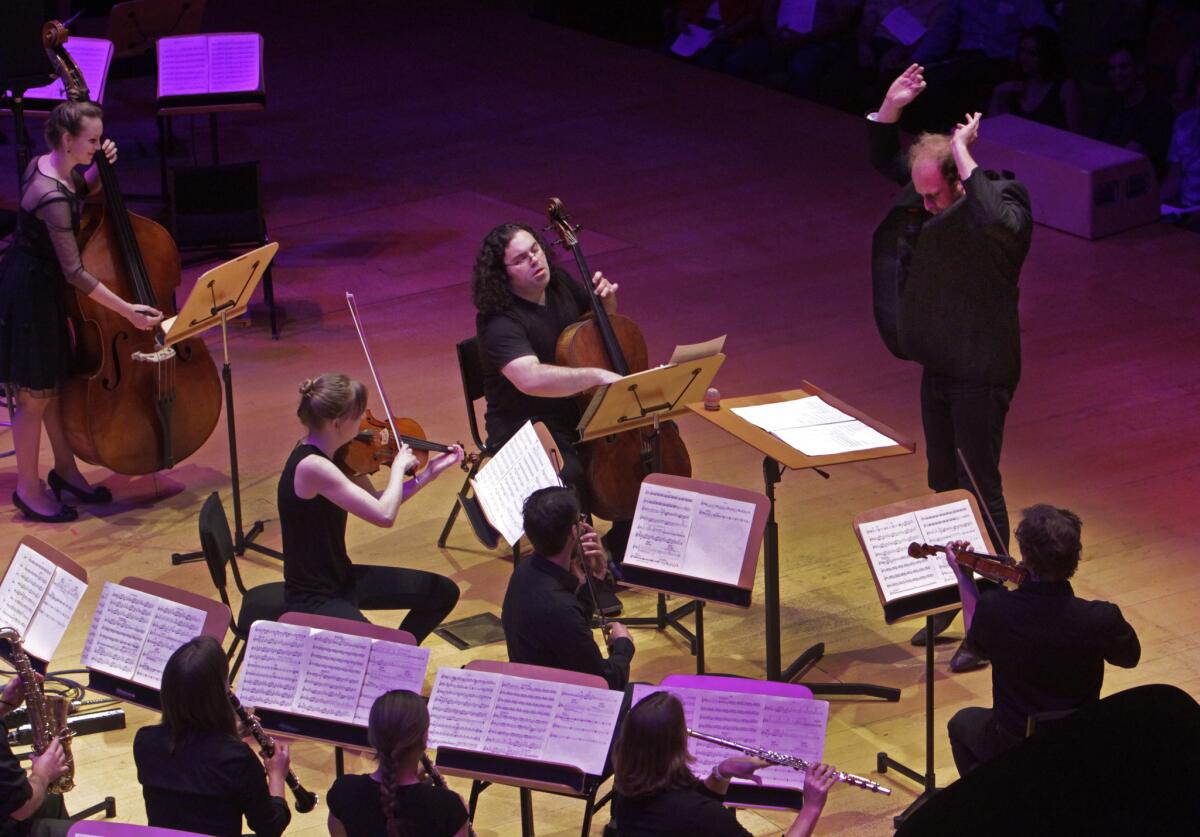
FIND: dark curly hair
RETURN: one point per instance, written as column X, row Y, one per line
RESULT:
column 489, row 285
column 1050, row 544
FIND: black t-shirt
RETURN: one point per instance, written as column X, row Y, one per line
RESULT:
column 527, row 329
column 206, row 785
column 420, row 808
column 688, row 812
column 316, row 567
column 14, row 788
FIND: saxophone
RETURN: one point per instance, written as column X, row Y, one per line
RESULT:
column 47, row 713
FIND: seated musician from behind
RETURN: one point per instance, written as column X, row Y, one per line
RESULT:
column 196, row 774
column 547, row 613
column 393, row 801
column 1047, row 647
column 525, row 302
column 657, row 795
column 23, row 798
column 315, row 496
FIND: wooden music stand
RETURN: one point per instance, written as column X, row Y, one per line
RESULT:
column 485, row 769
column 216, row 623
column 218, row 296
column 699, row 590
column 925, row 604
column 336, row 733
column 778, row 456
column 59, row 559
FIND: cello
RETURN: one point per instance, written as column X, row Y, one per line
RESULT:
column 615, row 465
column 133, row 405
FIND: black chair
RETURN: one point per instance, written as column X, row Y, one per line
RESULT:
column 262, row 602
column 219, row 209
column 471, row 371
column 1045, row 720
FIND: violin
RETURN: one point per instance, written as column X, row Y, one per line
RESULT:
column 375, row 445
column 988, row 566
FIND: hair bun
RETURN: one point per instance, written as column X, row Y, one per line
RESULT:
column 307, row 387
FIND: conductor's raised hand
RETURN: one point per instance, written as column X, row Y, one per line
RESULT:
column 965, row 133
column 907, row 87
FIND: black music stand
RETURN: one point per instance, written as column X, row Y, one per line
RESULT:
column 220, row 294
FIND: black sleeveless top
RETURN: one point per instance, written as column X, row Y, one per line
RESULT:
column 316, row 567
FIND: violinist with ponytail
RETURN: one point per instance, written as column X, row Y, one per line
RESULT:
column 393, row 801
column 315, row 499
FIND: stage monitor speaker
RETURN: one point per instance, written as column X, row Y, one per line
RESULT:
column 1076, row 184
column 216, row 206
column 23, row 61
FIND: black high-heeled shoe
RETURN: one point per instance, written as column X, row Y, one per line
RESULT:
column 65, row 513
column 99, row 494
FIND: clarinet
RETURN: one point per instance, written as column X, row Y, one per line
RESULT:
column 794, row 762
column 306, row 800
column 436, row 777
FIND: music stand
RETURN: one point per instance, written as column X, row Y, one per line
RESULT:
column 777, row 457
column 219, row 295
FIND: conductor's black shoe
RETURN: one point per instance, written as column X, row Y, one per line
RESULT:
column 967, row 658
column 99, row 494
column 941, row 621
column 65, row 514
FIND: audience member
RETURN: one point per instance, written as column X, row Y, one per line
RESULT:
column 1043, row 93
column 732, row 23
column 887, row 36
column 1181, row 186
column 798, row 42
column 1134, row 117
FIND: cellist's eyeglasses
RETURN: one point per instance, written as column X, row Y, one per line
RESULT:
column 527, row 257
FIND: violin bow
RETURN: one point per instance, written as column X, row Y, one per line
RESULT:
column 362, row 338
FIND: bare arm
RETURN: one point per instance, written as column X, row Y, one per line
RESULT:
column 967, row 590
column 317, row 475
column 545, row 380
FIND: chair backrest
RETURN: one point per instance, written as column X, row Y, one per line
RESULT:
column 737, row 684
column 216, row 542
column 471, row 369
column 108, row 828
column 1042, row 720
column 554, row 675
column 347, row 626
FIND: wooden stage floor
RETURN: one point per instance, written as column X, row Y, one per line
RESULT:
column 394, row 140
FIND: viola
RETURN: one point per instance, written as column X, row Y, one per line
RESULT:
column 988, row 566
column 614, row 466
column 375, row 446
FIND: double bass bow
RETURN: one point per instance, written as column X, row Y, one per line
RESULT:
column 614, row 466
column 135, row 406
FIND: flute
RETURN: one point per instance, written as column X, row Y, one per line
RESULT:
column 435, row 776
column 306, row 800
column 794, row 762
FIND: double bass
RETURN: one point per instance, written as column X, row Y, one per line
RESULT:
column 133, row 405
column 615, row 465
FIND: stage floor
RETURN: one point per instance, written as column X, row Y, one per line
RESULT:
column 393, row 140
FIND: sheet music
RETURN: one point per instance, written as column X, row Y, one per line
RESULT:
column 182, row 65
column 234, row 62
column 391, row 666
column 886, row 542
column 517, row 470
column 540, row 720
column 92, row 56
column 813, row 426
column 796, row 15
column 333, row 675
column 171, row 626
column 52, row 616
column 686, row 353
column 793, row 726
column 25, row 583
column 274, row 665
column 118, row 631
column 689, row 533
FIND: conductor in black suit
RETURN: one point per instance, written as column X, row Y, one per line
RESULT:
column 945, row 266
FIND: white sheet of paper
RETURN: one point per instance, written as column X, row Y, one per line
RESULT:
column 796, row 15
column 516, row 716
column 118, row 630
column 171, row 626
column 333, row 675
column 93, row 57
column 903, row 26
column 182, row 65
column 391, row 666
column 25, row 583
column 800, row 412
column 517, row 470
column 274, row 665
column 688, row 533
column 53, row 615
column 695, row 351
column 692, row 40
column 235, row 62
column 795, row 726
column 839, row 437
